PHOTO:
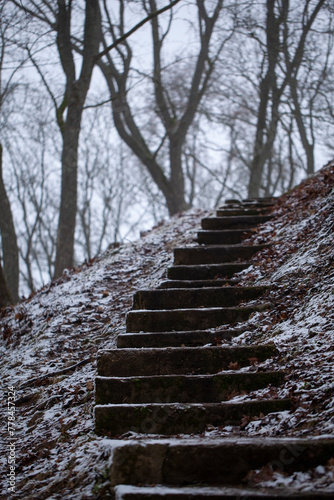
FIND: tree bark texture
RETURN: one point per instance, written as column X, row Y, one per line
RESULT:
column 308, row 146
column 9, row 241
column 5, row 298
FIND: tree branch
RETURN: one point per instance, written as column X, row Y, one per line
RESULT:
column 135, row 28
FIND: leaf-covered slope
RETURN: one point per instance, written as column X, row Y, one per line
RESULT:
column 49, row 342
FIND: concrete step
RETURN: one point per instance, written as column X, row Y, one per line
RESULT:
column 188, row 319
column 182, row 388
column 215, row 254
column 184, row 298
column 129, row 492
column 235, row 222
column 224, row 237
column 175, row 339
column 239, row 212
column 264, row 200
column 206, row 271
column 174, row 418
column 179, row 361
column 198, row 283
column 249, row 201
column 232, row 201
column 213, row 461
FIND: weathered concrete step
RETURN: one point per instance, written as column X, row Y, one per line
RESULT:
column 232, row 201
column 172, row 419
column 188, row 319
column 181, row 388
column 264, row 200
column 178, row 361
column 250, row 201
column 129, row 492
column 222, row 237
column 184, row 298
column 198, row 283
column 239, row 212
column 235, row 222
column 206, row 271
column 216, row 462
column 214, row 254
column 175, row 339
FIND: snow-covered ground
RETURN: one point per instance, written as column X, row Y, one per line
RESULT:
column 49, row 344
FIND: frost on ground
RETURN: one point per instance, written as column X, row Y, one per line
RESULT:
column 49, row 344
column 299, row 267
column 63, row 326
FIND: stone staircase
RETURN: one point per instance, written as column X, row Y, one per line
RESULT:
column 172, row 375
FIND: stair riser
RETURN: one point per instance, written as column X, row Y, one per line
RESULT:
column 235, row 212
column 197, row 283
column 258, row 200
column 181, row 389
column 222, row 237
column 219, row 463
column 175, row 339
column 172, row 419
column 265, row 200
column 241, row 222
column 124, row 492
column 185, row 319
column 214, row 254
column 194, row 298
column 183, row 361
column 205, row 272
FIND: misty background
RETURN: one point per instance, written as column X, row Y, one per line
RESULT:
column 103, row 135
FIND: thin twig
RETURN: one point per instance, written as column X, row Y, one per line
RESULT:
column 54, row 374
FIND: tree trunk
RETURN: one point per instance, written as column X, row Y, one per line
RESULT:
column 176, row 197
column 262, row 147
column 173, row 188
column 307, row 145
column 69, row 183
column 75, row 97
column 5, row 298
column 9, row 241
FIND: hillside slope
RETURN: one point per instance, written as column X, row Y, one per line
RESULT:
column 49, row 342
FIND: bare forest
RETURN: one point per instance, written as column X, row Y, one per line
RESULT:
column 116, row 114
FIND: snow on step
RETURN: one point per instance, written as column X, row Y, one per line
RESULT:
column 222, row 237
column 182, row 388
column 128, row 492
column 213, row 462
column 214, row 254
column 236, row 222
column 175, row 361
column 191, row 338
column 116, row 420
column 188, row 319
column 182, row 298
column 198, row 283
column 205, row 271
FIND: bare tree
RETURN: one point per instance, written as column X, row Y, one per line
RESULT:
column 74, row 100
column 173, row 119
column 58, row 15
column 306, row 91
column 270, row 90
